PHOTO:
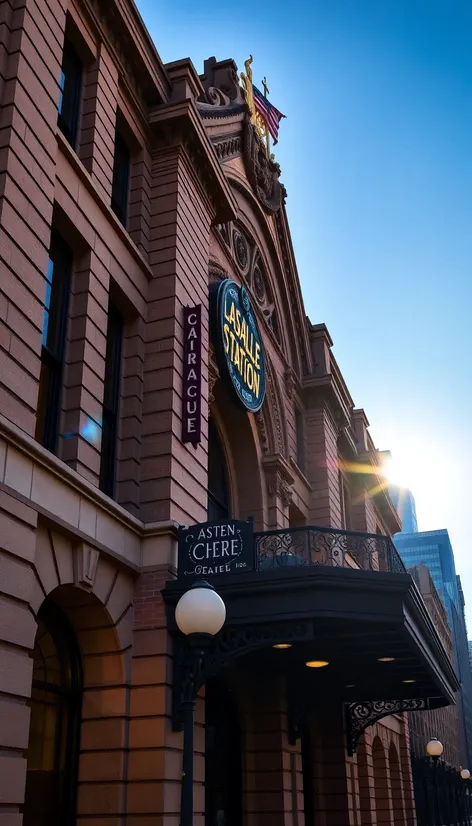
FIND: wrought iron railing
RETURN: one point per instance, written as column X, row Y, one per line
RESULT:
column 307, row 546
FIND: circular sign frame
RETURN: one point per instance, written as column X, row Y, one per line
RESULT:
column 239, row 348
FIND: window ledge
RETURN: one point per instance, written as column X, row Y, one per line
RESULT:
column 300, row 474
column 87, row 180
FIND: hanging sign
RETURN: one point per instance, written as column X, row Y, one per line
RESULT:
column 213, row 548
column 192, row 376
column 238, row 344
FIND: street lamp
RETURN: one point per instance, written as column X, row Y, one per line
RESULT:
column 434, row 749
column 200, row 614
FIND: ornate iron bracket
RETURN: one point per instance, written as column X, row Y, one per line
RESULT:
column 226, row 646
column 360, row 716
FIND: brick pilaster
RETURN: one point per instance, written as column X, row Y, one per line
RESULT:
column 322, row 467
column 99, row 121
column 85, row 368
column 334, row 801
column 30, row 65
column 174, row 475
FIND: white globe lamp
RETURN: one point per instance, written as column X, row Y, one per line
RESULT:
column 200, row 611
column 434, row 748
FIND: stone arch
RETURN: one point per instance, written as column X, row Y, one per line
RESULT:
column 382, row 789
column 96, row 597
column 396, row 785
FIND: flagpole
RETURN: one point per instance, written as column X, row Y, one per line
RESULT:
column 266, row 94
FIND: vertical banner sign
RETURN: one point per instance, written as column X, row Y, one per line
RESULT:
column 192, row 378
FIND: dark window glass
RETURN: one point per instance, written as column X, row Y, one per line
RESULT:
column 300, row 440
column 223, row 764
column 121, row 168
column 218, row 494
column 69, row 100
column 53, row 748
column 345, row 502
column 308, row 778
column 54, row 335
column 111, row 400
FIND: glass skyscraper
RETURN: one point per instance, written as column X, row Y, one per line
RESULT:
column 405, row 505
column 434, row 549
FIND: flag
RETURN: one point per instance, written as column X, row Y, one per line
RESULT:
column 268, row 113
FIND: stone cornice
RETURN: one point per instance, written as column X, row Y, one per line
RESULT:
column 120, row 25
column 180, row 121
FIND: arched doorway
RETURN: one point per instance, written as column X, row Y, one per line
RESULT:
column 219, row 503
column 53, row 748
column 223, row 765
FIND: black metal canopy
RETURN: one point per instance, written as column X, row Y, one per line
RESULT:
column 350, row 617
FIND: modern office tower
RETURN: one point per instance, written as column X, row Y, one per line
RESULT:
column 405, row 506
column 434, row 550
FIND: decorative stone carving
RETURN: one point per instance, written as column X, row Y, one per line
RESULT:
column 221, row 84
column 263, row 296
column 240, row 249
column 216, row 273
column 263, row 173
column 224, row 231
column 213, row 376
column 289, row 383
column 258, row 283
column 229, row 148
column 275, row 410
column 263, row 435
column 279, row 479
column 86, row 564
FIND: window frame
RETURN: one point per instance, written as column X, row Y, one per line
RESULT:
column 121, row 169
column 55, row 319
column 300, row 439
column 69, row 708
column 111, row 399
column 70, row 127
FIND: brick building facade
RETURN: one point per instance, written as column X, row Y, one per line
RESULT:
column 127, row 188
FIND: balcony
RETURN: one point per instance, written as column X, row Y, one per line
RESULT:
column 312, row 546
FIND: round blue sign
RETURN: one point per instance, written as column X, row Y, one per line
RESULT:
column 238, row 344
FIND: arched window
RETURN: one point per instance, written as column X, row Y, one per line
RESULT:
column 219, row 506
column 51, row 777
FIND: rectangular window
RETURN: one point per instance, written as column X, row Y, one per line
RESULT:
column 56, row 305
column 111, row 400
column 70, row 92
column 299, row 433
column 121, row 172
column 345, row 502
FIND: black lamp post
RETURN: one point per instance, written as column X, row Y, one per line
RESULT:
column 465, row 775
column 200, row 614
column 434, row 749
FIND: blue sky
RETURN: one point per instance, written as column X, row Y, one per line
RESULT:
column 376, row 155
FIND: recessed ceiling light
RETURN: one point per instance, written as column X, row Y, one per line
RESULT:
column 282, row 645
column 351, row 685
column 385, row 659
column 408, row 681
column 316, row 663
